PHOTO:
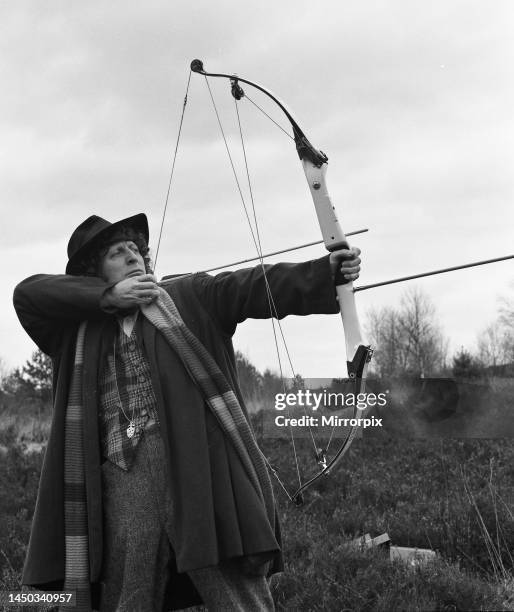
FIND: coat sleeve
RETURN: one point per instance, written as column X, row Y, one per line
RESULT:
column 47, row 305
column 297, row 289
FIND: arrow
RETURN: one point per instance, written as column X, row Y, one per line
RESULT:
column 235, row 263
column 442, row 271
column 301, row 246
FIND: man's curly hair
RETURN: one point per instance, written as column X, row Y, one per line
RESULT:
column 89, row 264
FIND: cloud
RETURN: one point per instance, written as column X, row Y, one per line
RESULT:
column 412, row 103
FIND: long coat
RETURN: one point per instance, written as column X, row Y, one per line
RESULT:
column 217, row 513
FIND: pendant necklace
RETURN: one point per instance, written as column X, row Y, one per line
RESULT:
column 131, row 429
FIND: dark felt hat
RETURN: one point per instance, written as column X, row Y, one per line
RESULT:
column 90, row 230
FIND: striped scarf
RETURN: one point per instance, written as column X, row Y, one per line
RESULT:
column 218, row 395
column 76, row 576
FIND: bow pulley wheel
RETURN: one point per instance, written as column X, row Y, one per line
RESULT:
column 237, row 90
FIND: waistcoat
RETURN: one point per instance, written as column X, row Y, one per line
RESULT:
column 127, row 399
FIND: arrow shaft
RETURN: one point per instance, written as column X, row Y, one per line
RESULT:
column 295, row 248
column 423, row 274
column 258, row 258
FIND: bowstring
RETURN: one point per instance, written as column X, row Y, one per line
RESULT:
column 271, row 301
column 255, row 234
column 247, row 97
column 168, row 192
column 257, row 243
column 269, row 117
column 273, row 311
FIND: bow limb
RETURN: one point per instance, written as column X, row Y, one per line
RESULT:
column 358, row 351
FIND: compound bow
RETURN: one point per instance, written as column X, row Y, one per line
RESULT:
column 314, row 163
column 358, row 351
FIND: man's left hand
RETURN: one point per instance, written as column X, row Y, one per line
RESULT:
column 347, row 262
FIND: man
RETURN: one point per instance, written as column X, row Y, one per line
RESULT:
column 153, row 492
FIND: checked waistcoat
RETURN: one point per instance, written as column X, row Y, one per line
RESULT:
column 125, row 391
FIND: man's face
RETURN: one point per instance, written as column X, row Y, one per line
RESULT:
column 121, row 261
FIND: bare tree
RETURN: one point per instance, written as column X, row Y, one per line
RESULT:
column 507, row 323
column 408, row 340
column 496, row 341
column 490, row 350
column 423, row 337
column 384, row 329
column 4, row 371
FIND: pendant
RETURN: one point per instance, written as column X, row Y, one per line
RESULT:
column 131, row 429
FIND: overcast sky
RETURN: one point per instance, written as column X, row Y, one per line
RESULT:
column 412, row 101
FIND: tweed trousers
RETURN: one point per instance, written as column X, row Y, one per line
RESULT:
column 138, row 515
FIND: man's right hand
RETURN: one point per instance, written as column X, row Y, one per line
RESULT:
column 131, row 292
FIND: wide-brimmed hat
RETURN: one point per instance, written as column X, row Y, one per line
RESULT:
column 90, row 230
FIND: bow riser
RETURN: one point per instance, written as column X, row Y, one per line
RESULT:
column 333, row 236
column 334, row 239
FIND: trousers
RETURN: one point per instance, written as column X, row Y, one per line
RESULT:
column 138, row 515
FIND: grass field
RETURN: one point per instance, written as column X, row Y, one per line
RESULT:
column 453, row 496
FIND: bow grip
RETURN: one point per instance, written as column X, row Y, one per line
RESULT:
column 333, row 235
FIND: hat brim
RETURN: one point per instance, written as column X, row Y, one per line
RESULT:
column 138, row 222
